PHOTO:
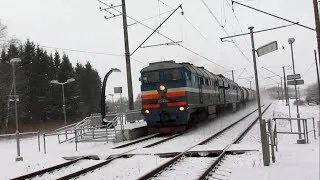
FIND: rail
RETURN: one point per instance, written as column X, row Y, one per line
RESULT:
column 305, row 132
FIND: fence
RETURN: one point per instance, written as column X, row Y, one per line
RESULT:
column 305, row 132
column 91, row 128
column 19, row 135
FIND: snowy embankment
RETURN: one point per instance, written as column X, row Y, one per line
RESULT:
column 293, row 161
column 289, row 159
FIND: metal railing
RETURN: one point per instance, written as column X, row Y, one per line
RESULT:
column 305, row 132
column 90, row 128
column 19, row 135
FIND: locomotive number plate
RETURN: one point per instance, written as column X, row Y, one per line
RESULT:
column 162, row 101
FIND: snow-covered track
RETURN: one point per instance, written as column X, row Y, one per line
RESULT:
column 215, row 164
column 159, row 139
column 50, row 169
column 178, row 162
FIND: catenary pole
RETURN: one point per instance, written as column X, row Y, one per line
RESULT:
column 127, row 55
column 317, row 68
column 232, row 76
column 291, row 41
column 262, row 135
column 317, row 23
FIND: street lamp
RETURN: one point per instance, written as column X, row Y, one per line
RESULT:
column 291, row 41
column 112, row 97
column 63, row 99
column 15, row 99
column 103, row 91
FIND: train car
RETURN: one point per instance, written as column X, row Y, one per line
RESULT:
column 175, row 95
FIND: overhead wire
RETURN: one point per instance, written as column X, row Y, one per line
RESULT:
column 83, row 51
column 191, row 24
column 225, row 31
column 184, row 47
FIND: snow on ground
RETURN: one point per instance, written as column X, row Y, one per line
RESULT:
column 34, row 160
column 287, row 157
column 293, row 161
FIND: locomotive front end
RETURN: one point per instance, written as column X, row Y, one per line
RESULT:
column 163, row 94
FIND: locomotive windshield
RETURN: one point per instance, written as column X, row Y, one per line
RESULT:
column 172, row 74
column 151, row 77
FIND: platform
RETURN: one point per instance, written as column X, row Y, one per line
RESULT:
column 131, row 131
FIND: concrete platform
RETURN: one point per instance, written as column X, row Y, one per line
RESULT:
column 131, row 131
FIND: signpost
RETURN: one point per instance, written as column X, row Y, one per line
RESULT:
column 268, row 48
column 118, row 90
column 295, row 82
column 294, row 76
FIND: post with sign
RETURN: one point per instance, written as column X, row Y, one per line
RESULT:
column 118, row 90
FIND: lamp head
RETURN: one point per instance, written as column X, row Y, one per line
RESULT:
column 54, row 82
column 70, row 80
column 291, row 40
column 115, row 70
column 15, row 60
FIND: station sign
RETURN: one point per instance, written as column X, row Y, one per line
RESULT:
column 268, row 48
column 117, row 90
column 295, row 82
column 294, row 76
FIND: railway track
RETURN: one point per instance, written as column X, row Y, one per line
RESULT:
column 90, row 164
column 181, row 165
column 45, row 173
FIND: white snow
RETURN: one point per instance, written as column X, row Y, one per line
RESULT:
column 292, row 160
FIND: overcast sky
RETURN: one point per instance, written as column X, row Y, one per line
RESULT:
column 80, row 25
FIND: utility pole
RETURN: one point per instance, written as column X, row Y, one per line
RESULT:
column 250, row 84
column 315, row 58
column 286, row 94
column 317, row 23
column 232, row 75
column 291, row 41
column 127, row 54
column 265, row 146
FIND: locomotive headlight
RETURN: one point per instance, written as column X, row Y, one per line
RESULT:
column 162, row 87
column 147, row 111
column 182, row 108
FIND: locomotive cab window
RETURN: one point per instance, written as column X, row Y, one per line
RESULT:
column 151, row 77
column 172, row 75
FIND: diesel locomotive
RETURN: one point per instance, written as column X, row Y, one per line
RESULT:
column 176, row 95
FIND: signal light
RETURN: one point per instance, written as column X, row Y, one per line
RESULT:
column 162, row 87
column 147, row 111
column 181, row 108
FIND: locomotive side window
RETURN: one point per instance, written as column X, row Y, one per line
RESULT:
column 172, row 75
column 151, row 77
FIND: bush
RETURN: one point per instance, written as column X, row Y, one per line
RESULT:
column 300, row 102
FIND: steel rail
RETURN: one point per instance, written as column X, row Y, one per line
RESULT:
column 46, row 170
column 158, row 169
column 137, row 141
column 237, row 140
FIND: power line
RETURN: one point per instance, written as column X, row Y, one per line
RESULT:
column 186, row 48
column 83, row 51
column 193, row 26
column 212, row 14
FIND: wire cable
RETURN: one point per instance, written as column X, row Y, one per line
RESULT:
column 184, row 47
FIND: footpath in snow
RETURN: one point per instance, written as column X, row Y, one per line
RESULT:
column 293, row 161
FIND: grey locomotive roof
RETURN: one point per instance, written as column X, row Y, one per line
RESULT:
column 194, row 69
column 161, row 65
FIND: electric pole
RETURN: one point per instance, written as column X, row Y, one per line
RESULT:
column 315, row 58
column 127, row 55
column 317, row 23
column 232, row 76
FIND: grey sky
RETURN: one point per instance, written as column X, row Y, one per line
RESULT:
column 78, row 24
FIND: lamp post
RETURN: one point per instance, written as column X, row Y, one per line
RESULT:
column 112, row 97
column 15, row 99
column 291, row 41
column 103, row 91
column 63, row 99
